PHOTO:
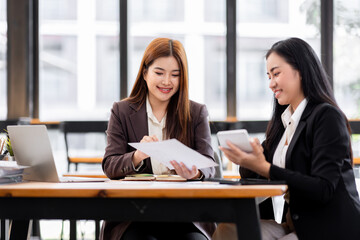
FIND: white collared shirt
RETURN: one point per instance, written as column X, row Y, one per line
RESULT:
column 158, row 129
column 290, row 121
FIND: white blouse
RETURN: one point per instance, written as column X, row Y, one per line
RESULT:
column 158, row 129
column 290, row 121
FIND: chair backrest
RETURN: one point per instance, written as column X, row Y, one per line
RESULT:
column 218, row 169
column 5, row 123
column 69, row 127
column 81, row 127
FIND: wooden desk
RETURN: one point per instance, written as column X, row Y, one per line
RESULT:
column 102, row 175
column 85, row 174
column 135, row 201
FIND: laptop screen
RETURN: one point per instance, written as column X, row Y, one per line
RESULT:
column 31, row 146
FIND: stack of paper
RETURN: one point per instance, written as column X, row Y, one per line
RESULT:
column 10, row 172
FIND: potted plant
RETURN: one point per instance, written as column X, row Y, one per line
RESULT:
column 8, row 151
column 2, row 150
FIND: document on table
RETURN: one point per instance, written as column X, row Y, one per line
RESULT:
column 168, row 150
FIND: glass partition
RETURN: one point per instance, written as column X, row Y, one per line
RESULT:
column 346, row 56
column 79, row 59
column 260, row 23
column 200, row 26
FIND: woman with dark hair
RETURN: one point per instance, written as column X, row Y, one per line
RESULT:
column 308, row 146
column 158, row 108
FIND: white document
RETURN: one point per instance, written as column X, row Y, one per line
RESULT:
column 168, row 150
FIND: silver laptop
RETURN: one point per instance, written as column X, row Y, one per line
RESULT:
column 31, row 146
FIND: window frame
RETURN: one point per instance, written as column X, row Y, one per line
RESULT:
column 26, row 85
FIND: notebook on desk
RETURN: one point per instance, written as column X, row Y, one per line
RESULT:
column 245, row 181
column 31, row 146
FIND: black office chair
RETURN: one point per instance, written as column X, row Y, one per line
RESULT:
column 70, row 128
column 5, row 123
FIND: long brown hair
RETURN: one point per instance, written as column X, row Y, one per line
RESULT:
column 178, row 110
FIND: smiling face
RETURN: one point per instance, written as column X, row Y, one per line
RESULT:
column 162, row 78
column 285, row 81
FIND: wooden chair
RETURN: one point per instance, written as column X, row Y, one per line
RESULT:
column 82, row 128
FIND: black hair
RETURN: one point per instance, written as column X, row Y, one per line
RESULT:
column 314, row 82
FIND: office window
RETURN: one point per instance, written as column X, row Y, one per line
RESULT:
column 79, row 59
column 107, row 10
column 108, row 71
column 346, row 56
column 156, row 10
column 3, row 47
column 261, row 23
column 200, row 26
column 261, row 11
column 58, row 72
column 58, row 9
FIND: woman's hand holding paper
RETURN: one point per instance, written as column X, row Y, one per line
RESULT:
column 184, row 172
column 138, row 155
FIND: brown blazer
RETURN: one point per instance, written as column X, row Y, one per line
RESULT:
column 129, row 124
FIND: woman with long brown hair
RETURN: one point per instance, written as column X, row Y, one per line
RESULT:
column 158, row 108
